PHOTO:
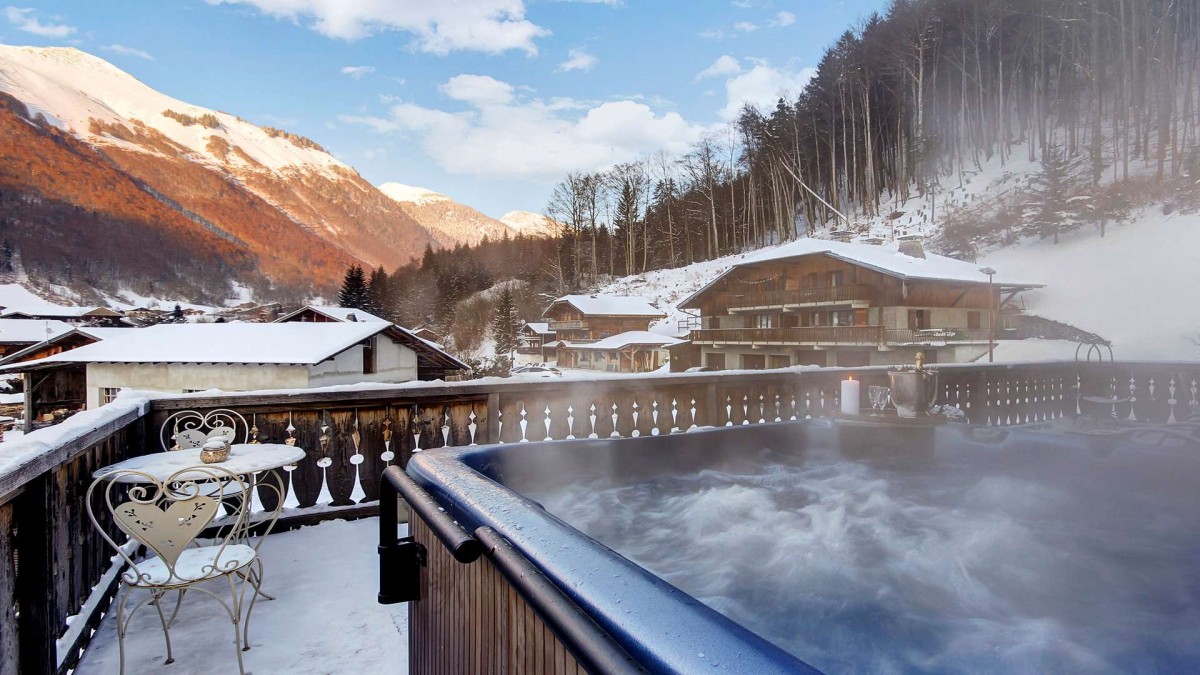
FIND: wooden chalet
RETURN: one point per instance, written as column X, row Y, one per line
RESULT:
column 76, row 316
column 535, row 343
column 630, row 352
column 831, row 303
column 580, row 318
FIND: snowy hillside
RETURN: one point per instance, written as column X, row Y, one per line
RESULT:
column 411, row 194
column 531, row 224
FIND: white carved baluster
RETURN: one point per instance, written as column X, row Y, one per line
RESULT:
column 615, row 433
column 592, row 418
column 1172, row 401
column 325, row 462
column 570, row 422
column 635, row 433
column 793, row 417
column 728, row 411
column 471, row 425
column 524, row 424
column 745, row 410
column 778, row 416
column 693, row 410
column 1132, row 399
column 654, row 418
column 357, row 494
column 762, row 410
column 674, row 415
column 499, row 426
column 547, row 422
column 387, row 455
column 808, row 405
column 446, row 427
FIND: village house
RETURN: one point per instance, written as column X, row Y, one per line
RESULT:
column 534, row 343
column 18, row 334
column 578, row 318
column 329, row 314
column 246, row 357
column 59, row 392
column 832, row 303
column 76, row 316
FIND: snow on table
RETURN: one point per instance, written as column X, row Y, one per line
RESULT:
column 325, row 618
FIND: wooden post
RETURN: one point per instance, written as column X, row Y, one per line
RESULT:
column 37, row 592
column 493, row 418
column 27, row 380
column 710, row 405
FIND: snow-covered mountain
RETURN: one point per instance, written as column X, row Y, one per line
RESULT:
column 287, row 208
column 449, row 221
column 531, row 224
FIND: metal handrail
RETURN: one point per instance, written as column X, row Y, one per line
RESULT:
column 400, row 560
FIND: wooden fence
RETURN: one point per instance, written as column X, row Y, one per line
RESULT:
column 50, row 558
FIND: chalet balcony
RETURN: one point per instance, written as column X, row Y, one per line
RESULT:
column 567, row 325
column 801, row 297
column 936, row 336
column 815, row 335
column 58, row 575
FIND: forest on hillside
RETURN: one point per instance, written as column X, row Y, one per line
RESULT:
column 1100, row 95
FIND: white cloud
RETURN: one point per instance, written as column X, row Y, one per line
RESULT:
column 358, row 72
column 724, row 65
column 577, row 59
column 492, row 26
column 478, row 90
column 128, row 51
column 745, row 27
column 761, row 86
column 506, row 136
column 27, row 20
column 784, row 19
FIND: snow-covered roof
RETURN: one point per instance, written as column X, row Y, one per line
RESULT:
column 538, row 326
column 884, row 258
column 104, row 333
column 58, row 310
column 610, row 305
column 31, row 330
column 267, row 343
column 640, row 338
column 336, row 313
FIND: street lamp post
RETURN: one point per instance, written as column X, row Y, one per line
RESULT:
column 991, row 313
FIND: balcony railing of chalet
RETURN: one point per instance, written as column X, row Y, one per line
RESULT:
column 567, row 325
column 836, row 335
column 800, row 296
column 54, row 566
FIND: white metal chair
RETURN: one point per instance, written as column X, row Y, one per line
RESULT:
column 166, row 516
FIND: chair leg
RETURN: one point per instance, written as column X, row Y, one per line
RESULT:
column 166, row 625
column 121, row 598
column 235, row 615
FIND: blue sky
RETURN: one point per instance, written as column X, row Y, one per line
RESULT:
column 488, row 101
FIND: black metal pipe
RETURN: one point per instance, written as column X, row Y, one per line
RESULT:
column 591, row 646
column 461, row 545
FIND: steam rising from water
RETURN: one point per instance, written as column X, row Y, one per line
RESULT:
column 955, row 566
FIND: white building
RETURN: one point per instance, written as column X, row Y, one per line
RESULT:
column 247, row 357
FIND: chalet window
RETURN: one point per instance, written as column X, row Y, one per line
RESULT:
column 754, row 362
column 810, row 280
column 762, row 320
column 369, row 356
column 715, row 361
column 918, row 319
column 835, row 278
column 974, row 320
column 843, row 318
column 108, row 394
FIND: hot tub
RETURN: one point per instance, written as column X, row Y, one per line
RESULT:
column 766, row 548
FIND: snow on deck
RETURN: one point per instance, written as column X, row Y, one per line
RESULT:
column 325, row 618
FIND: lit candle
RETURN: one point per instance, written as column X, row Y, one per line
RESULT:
column 850, row 395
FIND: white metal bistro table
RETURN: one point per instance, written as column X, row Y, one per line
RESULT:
column 245, row 459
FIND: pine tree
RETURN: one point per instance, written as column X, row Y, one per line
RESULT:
column 354, row 289
column 1054, row 203
column 6, row 256
column 377, row 293
column 504, row 324
column 177, row 314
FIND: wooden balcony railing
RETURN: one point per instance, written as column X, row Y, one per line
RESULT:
column 815, row 335
column 53, row 565
column 568, row 325
column 800, row 296
column 931, row 336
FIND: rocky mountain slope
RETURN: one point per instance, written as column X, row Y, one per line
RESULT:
column 447, row 220
column 122, row 173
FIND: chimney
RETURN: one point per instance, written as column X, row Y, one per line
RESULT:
column 912, row 247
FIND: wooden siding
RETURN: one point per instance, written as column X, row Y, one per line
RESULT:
column 470, row 620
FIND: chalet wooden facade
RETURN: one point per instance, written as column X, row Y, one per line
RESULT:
column 535, row 343
column 580, row 318
column 828, row 303
column 629, row 352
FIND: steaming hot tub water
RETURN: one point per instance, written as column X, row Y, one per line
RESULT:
column 1016, row 557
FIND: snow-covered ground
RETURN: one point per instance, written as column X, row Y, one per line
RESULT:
column 325, row 618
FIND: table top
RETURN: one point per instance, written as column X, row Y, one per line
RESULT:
column 244, row 458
